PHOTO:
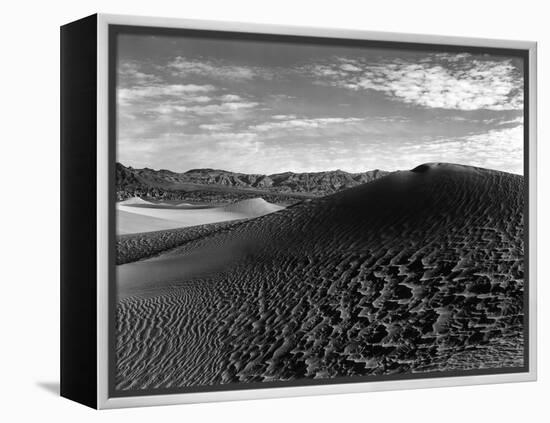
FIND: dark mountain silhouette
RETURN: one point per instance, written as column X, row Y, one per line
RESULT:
column 216, row 185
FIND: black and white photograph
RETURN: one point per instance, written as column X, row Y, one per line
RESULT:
column 296, row 211
column 315, row 211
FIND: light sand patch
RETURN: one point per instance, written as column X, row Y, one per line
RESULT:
column 130, row 223
column 142, row 216
column 134, row 201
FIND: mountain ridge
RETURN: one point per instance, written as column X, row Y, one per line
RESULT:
column 224, row 186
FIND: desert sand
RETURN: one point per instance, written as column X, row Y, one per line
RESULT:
column 136, row 215
column 138, row 246
column 417, row 271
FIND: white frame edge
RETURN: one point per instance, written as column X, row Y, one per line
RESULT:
column 104, row 401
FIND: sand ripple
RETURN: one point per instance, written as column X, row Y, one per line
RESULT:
column 417, row 271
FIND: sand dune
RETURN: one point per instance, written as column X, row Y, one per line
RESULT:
column 133, row 201
column 138, row 246
column 136, row 215
column 253, row 207
column 418, row 271
column 140, row 202
column 129, row 223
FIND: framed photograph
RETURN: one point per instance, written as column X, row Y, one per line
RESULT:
column 253, row 211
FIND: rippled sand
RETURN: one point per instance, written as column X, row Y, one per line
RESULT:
column 418, row 271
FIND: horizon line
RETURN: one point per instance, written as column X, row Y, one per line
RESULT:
column 252, row 173
column 312, row 172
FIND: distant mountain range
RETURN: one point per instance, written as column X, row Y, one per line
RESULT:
column 222, row 186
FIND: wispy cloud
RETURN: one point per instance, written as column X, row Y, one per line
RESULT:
column 182, row 66
column 167, row 99
column 283, row 117
column 216, row 126
column 231, row 97
column 316, row 109
column 293, row 123
column 515, row 121
column 131, row 74
column 499, row 149
column 156, row 92
column 218, row 108
column 447, row 81
column 237, row 141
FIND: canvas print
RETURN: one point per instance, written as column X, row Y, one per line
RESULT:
column 300, row 211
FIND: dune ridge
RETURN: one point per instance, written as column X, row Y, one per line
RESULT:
column 142, row 216
column 134, row 201
column 417, row 271
column 252, row 207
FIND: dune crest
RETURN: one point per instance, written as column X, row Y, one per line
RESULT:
column 253, row 207
column 133, row 201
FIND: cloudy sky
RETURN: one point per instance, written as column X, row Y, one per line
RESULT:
column 266, row 107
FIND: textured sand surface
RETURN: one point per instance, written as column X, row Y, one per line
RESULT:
column 417, row 271
column 137, row 215
column 139, row 246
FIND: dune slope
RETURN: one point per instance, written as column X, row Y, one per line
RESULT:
column 128, row 222
column 138, row 215
column 417, row 271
